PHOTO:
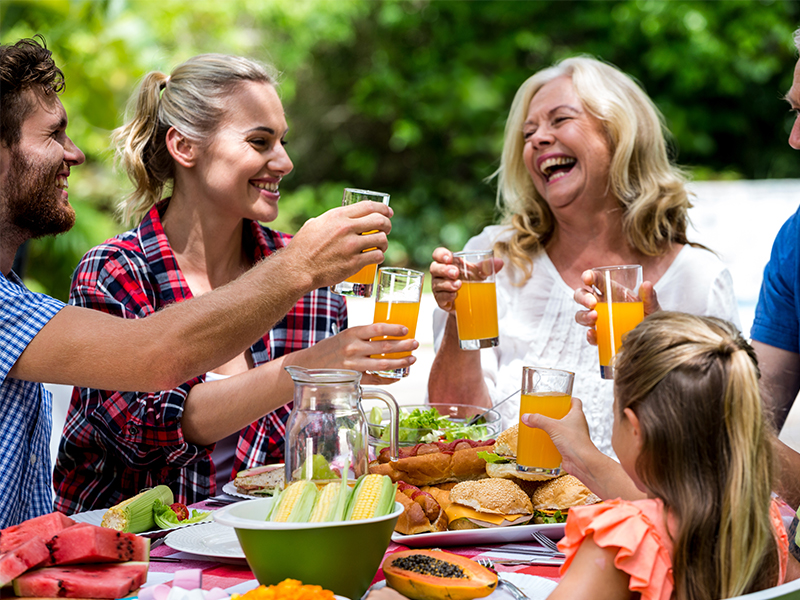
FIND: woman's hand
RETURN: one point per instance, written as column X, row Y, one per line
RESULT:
column 355, row 347
column 445, row 281
column 585, row 297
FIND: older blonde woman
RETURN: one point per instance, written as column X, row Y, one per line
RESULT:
column 584, row 181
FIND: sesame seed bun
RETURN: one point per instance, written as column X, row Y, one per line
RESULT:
column 505, row 444
column 495, row 496
column 562, row 493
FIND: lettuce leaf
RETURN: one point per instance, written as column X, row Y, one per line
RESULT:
column 424, row 425
column 491, row 457
column 166, row 518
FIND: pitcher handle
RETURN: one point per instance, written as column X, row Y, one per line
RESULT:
column 376, row 393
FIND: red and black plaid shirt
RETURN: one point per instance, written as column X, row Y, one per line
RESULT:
column 117, row 443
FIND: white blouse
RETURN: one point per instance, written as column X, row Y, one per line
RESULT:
column 538, row 328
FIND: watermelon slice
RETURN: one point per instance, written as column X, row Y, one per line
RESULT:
column 85, row 543
column 23, row 557
column 45, row 527
column 83, row 581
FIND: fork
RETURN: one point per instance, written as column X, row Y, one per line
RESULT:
column 512, row 589
column 546, row 541
column 489, row 563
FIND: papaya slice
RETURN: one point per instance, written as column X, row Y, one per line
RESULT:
column 437, row 575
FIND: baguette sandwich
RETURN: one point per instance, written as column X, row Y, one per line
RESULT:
column 435, row 462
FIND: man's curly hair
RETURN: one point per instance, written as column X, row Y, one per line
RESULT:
column 27, row 65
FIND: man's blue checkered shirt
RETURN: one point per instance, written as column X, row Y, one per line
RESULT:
column 25, row 408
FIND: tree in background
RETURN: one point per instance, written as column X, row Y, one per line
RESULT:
column 410, row 97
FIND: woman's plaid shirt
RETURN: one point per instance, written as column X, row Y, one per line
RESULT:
column 117, row 443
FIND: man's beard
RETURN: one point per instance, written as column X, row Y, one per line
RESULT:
column 33, row 202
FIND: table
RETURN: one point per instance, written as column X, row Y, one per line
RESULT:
column 235, row 576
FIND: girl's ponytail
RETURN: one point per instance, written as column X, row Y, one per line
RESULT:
column 750, row 458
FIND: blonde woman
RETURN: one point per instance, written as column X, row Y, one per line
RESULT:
column 584, row 181
column 690, row 431
column 212, row 134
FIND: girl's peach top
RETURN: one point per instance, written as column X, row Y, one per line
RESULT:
column 639, row 530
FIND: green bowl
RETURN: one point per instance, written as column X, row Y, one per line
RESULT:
column 340, row 556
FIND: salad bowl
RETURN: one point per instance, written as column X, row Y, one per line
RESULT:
column 421, row 423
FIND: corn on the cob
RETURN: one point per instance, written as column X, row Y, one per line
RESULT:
column 295, row 503
column 135, row 514
column 331, row 503
column 373, row 496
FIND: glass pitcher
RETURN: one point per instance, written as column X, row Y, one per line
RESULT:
column 327, row 429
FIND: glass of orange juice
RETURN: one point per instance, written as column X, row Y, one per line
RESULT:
column 476, row 301
column 619, row 309
column 547, row 392
column 397, row 301
column 361, row 284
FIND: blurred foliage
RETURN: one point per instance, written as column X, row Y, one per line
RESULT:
column 410, row 97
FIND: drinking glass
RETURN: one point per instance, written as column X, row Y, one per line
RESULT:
column 547, row 392
column 360, row 284
column 476, row 301
column 397, row 301
column 619, row 309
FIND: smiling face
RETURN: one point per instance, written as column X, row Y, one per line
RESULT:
column 242, row 166
column 566, row 150
column 34, row 172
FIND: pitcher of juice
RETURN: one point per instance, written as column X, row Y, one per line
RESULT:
column 327, row 430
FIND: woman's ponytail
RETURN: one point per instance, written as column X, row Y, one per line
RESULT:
column 137, row 143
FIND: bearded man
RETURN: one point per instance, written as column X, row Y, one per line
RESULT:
column 42, row 340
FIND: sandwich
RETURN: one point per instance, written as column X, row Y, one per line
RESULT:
column 502, row 460
column 434, row 463
column 552, row 500
column 260, row 481
column 422, row 513
column 487, row 503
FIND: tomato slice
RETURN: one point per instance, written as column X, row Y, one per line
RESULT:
column 180, row 510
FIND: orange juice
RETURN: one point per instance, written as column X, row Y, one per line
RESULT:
column 534, row 447
column 366, row 276
column 476, row 310
column 625, row 316
column 398, row 313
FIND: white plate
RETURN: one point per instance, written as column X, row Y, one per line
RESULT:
column 95, row 517
column 536, row 588
column 212, row 540
column 479, row 537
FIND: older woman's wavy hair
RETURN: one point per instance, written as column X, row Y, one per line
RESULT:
column 706, row 449
column 650, row 189
column 191, row 100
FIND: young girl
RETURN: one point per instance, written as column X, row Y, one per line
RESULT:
column 689, row 429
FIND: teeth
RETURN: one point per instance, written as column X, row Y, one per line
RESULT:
column 62, row 183
column 272, row 187
column 555, row 161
